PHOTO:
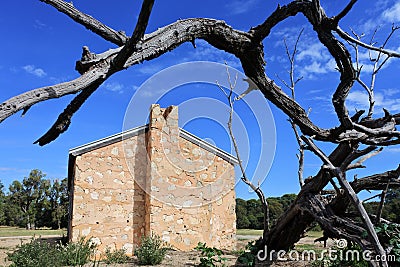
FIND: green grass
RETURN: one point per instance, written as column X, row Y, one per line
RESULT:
column 15, row 231
column 314, row 234
column 249, row 232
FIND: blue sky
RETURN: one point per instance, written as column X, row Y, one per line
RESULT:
column 40, row 47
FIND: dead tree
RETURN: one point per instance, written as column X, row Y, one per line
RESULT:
column 355, row 136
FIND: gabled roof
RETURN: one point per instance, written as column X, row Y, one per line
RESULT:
column 142, row 129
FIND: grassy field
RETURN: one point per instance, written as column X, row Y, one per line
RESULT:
column 313, row 234
column 15, row 231
column 249, row 232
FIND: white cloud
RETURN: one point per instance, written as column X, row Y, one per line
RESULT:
column 364, row 60
column 315, row 67
column 240, row 6
column 359, row 100
column 314, row 91
column 2, row 169
column 150, row 68
column 313, row 51
column 114, row 87
column 381, row 14
column 39, row 24
column 310, row 68
column 152, row 93
column 392, row 14
column 31, row 69
column 392, row 149
column 312, row 57
column 391, row 91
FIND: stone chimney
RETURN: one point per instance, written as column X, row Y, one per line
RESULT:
column 164, row 119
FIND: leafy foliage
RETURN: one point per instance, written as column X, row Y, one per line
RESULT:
column 37, row 253
column 247, row 257
column 115, row 257
column 249, row 213
column 151, row 250
column 389, row 235
column 79, row 253
column 210, row 256
column 35, row 202
column 2, row 204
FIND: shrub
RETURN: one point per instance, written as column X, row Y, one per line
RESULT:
column 115, row 257
column 389, row 235
column 211, row 256
column 151, row 250
column 247, row 256
column 40, row 253
column 35, row 254
column 79, row 253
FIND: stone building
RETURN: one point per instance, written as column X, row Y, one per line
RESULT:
column 154, row 179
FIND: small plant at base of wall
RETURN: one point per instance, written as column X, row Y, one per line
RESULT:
column 117, row 256
column 210, row 256
column 151, row 250
column 41, row 253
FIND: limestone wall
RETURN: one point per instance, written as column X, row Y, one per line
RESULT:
column 108, row 203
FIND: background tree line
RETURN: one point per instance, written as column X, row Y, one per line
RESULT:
column 249, row 213
column 35, row 202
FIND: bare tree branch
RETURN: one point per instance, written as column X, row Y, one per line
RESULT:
column 346, row 165
column 351, row 194
column 137, row 35
column 100, row 67
column 359, row 162
column 281, row 13
column 28, row 99
column 231, row 100
column 377, row 181
column 291, row 86
column 64, row 119
column 382, row 203
column 344, row 12
column 347, row 37
column 118, row 38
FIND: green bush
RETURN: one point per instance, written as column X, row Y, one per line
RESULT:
column 211, row 256
column 115, row 257
column 35, row 253
column 79, row 253
column 151, row 250
column 247, row 256
column 389, row 235
column 40, row 253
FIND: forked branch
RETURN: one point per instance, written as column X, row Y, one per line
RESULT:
column 340, row 175
column 231, row 100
